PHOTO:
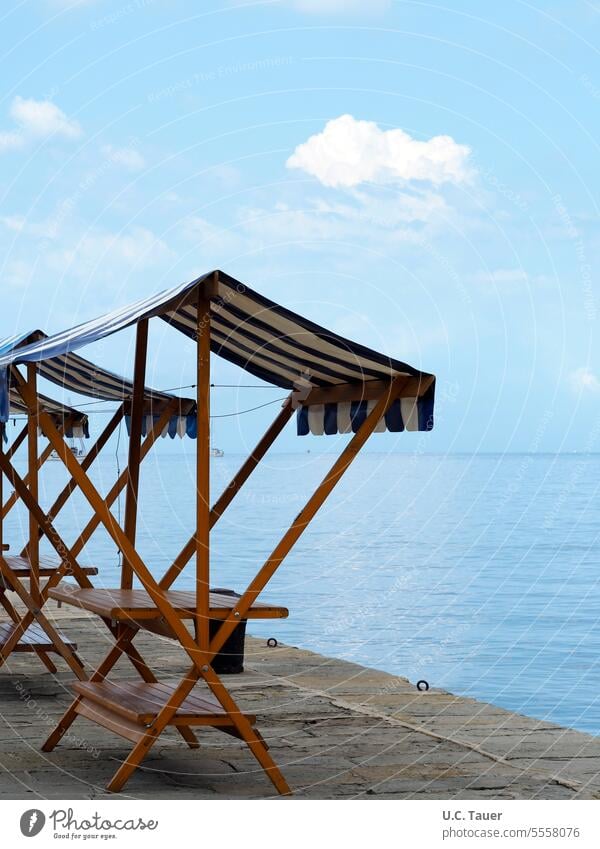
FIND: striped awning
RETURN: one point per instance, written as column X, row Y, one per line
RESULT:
column 74, row 373
column 74, row 422
column 334, row 381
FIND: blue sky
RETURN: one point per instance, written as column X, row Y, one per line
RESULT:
column 421, row 178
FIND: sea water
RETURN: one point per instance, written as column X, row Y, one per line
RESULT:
column 479, row 574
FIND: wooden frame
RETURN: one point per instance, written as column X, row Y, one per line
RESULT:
column 31, row 631
column 140, row 712
column 19, row 634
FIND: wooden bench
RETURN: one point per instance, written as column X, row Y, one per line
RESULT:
column 34, row 639
column 117, row 604
column 21, row 568
column 128, row 707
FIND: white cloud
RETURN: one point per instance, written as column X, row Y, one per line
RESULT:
column 103, row 254
column 383, row 221
column 502, row 276
column 336, row 7
column 36, row 120
column 17, row 273
column 128, row 157
column 16, row 223
column 349, row 152
column 212, row 237
column 508, row 275
column 228, row 176
column 11, row 141
column 41, row 118
column 584, row 380
column 71, row 4
column 384, row 210
column 316, row 224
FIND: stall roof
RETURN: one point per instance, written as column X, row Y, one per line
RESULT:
column 76, row 374
column 262, row 337
column 59, row 412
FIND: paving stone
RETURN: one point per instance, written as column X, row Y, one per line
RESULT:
column 336, row 729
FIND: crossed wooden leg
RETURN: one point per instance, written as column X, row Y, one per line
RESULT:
column 246, row 732
column 14, row 616
column 22, row 623
column 124, row 645
column 243, row 730
column 240, row 725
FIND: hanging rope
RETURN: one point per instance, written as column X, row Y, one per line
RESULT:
column 217, row 416
column 250, row 409
column 85, row 407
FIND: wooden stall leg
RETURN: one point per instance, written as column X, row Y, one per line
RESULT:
column 230, row 491
column 141, row 749
column 63, row 726
column 7, row 605
column 189, row 736
column 147, row 675
column 33, row 612
column 251, row 738
column 43, row 656
column 123, row 645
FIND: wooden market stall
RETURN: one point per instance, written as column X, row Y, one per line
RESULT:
column 23, row 573
column 335, row 386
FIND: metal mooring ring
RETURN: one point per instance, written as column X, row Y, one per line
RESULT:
column 422, row 685
column 272, row 642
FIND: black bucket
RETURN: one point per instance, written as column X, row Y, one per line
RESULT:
column 229, row 660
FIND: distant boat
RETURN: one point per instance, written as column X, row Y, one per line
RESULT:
column 217, row 452
column 77, row 450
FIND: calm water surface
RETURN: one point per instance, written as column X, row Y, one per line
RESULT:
column 477, row 573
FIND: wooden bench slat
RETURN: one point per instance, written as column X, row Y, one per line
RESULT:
column 21, row 566
column 34, row 638
column 137, row 604
column 139, row 702
column 111, row 721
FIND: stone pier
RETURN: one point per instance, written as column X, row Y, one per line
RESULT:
column 336, row 729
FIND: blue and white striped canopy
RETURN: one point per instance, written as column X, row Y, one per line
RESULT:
column 76, row 422
column 76, row 374
column 262, row 337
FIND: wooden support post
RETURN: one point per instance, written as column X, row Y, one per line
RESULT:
column 33, row 545
column 17, row 442
column 203, row 470
column 153, row 731
column 12, row 500
column 135, row 439
column 87, row 461
column 121, row 481
column 305, row 516
column 2, row 426
column 231, row 490
column 68, row 561
column 33, row 612
column 253, row 460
